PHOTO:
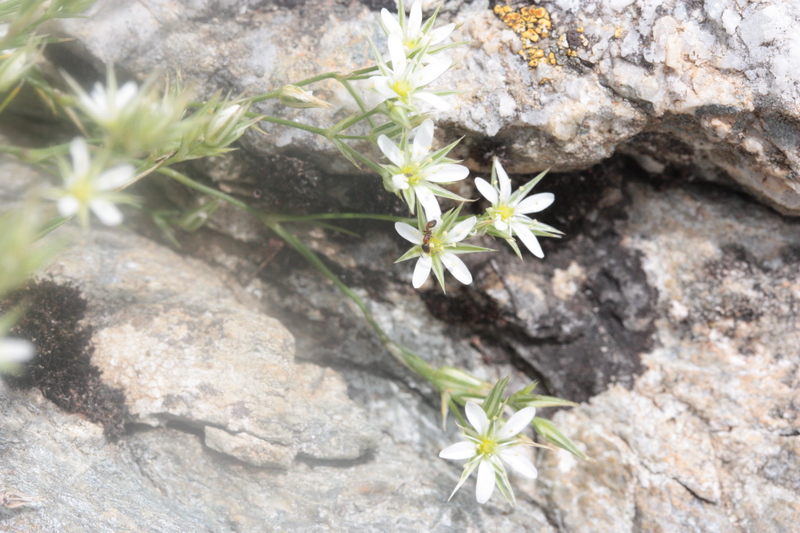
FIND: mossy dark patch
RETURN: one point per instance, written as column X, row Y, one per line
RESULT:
column 62, row 368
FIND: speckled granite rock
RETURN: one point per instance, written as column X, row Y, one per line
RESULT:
column 709, row 436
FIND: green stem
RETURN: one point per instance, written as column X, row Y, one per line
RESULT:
column 292, row 124
column 401, row 353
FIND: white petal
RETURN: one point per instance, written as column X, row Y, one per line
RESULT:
column 529, row 239
column 440, row 34
column 409, row 233
column 106, row 211
column 477, row 417
column 447, row 173
column 423, row 139
column 421, row 271
column 397, row 53
column 114, row 177
column 415, row 20
column 428, row 201
column 382, row 86
column 433, row 100
column 80, row 157
column 68, row 206
column 485, row 484
column 390, row 150
column 124, row 95
column 486, row 189
column 516, row 459
column 392, row 26
column 503, row 181
column 400, row 181
column 459, row 451
column 431, row 71
column 457, row 268
column 516, row 423
column 20, row 350
column 535, row 203
column 460, row 230
column 500, row 224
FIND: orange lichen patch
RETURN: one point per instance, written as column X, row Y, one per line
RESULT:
column 533, row 25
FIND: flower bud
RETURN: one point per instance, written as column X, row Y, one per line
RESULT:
column 294, row 96
column 13, row 66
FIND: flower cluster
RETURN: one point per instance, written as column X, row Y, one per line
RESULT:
column 417, row 173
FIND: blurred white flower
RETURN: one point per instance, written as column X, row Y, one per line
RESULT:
column 488, row 445
column 84, row 189
column 508, row 211
column 106, row 105
column 15, row 351
column 415, row 173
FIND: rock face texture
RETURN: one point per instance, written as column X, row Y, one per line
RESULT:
column 257, row 397
column 704, row 89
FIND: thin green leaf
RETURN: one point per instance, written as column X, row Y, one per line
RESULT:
column 549, row 431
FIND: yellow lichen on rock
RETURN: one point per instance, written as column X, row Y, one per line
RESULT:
column 534, row 27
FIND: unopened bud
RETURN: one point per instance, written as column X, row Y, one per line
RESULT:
column 294, row 96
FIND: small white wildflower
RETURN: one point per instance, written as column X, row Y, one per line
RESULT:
column 406, row 80
column 487, row 446
column 509, row 211
column 415, row 173
column 437, row 247
column 413, row 34
column 107, row 105
column 84, row 190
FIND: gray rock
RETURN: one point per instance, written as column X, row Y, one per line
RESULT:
column 706, row 91
column 694, row 446
column 174, row 338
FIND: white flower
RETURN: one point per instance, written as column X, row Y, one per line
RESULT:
column 406, row 80
column 15, row 351
column 437, row 247
column 106, row 106
column 83, row 190
column 509, row 210
column 410, row 29
column 415, row 173
column 487, row 448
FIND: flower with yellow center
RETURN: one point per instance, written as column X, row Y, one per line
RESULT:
column 489, row 445
column 509, row 211
column 416, row 173
column 84, row 189
column 413, row 34
column 406, row 80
